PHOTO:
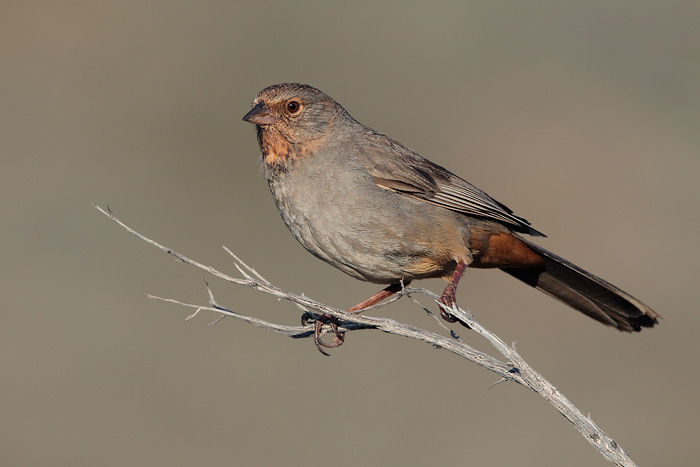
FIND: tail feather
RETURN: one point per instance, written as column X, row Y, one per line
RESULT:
column 585, row 292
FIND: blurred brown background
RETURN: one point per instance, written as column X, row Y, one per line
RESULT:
column 583, row 117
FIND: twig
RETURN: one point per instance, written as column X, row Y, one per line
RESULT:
column 514, row 368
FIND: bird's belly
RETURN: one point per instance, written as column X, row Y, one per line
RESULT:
column 368, row 236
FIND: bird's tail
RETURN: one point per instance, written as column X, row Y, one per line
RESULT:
column 585, row 292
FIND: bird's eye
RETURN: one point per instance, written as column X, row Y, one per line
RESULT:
column 293, row 107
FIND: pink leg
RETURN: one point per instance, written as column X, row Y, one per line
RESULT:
column 339, row 337
column 376, row 298
column 449, row 298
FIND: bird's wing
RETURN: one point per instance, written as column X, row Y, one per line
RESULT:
column 397, row 168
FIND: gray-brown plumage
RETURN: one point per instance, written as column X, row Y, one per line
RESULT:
column 379, row 212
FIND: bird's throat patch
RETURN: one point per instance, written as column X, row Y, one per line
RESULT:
column 276, row 150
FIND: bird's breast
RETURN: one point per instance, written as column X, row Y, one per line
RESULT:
column 338, row 213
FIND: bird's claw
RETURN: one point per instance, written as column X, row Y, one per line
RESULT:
column 338, row 338
column 447, row 301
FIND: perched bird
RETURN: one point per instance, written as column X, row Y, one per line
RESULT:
column 376, row 210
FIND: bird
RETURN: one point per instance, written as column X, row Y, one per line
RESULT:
column 378, row 211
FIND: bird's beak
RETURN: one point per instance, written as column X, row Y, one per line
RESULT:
column 260, row 115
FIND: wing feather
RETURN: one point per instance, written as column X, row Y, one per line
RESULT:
column 412, row 175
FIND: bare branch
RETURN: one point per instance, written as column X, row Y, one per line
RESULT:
column 240, row 262
column 513, row 368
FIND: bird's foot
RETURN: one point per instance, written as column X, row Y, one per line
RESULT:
column 448, row 301
column 318, row 323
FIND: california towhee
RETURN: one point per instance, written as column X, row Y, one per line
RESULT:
column 378, row 211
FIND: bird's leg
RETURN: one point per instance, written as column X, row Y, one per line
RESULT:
column 448, row 298
column 376, row 298
column 339, row 337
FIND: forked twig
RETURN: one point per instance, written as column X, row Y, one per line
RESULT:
column 513, row 368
